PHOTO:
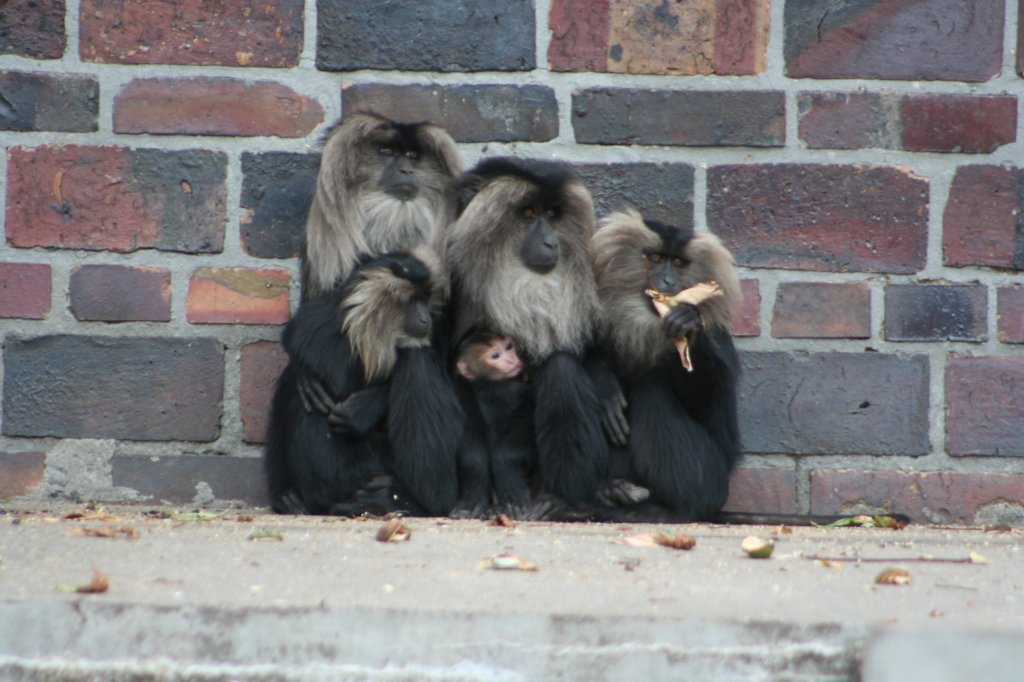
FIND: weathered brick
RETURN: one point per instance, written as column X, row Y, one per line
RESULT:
column 20, row 473
column 116, row 199
column 660, row 191
column 747, row 320
column 957, row 123
column 50, row 102
column 1011, row 314
column 680, row 118
column 983, row 223
column 120, row 293
column 762, row 490
column 33, row 28
column 214, row 106
column 929, row 497
column 956, row 40
column 262, row 363
column 822, row 310
column 849, row 120
column 935, row 312
column 653, row 36
column 25, row 290
column 192, row 32
column 238, row 296
column 788, row 215
column 985, row 405
column 430, row 35
column 184, row 480
column 1020, row 39
column 834, row 403
column 102, row 387
column 277, row 188
column 471, row 113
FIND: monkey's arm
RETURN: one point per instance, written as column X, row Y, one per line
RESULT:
column 612, row 397
column 359, row 413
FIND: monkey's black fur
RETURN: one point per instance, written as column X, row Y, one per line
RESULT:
column 363, row 467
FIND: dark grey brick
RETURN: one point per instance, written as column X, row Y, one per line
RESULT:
column 59, row 103
column 660, row 191
column 935, row 312
column 277, row 188
column 174, row 479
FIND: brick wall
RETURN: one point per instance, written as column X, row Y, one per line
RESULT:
column 862, row 161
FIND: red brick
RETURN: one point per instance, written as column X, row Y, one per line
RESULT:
column 979, row 225
column 119, row 293
column 652, row 36
column 985, row 405
column 950, row 123
column 822, row 311
column 238, row 296
column 471, row 113
column 686, row 118
column 262, row 363
column 762, row 490
column 579, row 35
column 788, row 216
column 141, row 388
column 1011, row 314
column 931, row 497
column 214, row 106
column 178, row 480
column 25, row 290
column 20, row 473
column 848, row 120
column 955, row 40
column 32, row 28
column 197, row 32
column 936, row 312
column 116, row 199
column 747, row 321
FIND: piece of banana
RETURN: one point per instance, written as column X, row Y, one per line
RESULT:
column 694, row 295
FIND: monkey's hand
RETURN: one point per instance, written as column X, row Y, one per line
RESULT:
column 358, row 414
column 619, row 492
column 681, row 320
column 613, row 418
column 314, row 394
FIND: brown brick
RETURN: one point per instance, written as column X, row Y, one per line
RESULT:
column 214, row 106
column 985, row 405
column 238, row 296
column 980, row 223
column 32, row 28
column 848, row 120
column 262, row 363
column 956, row 40
column 1011, row 314
column 652, row 36
column 679, row 118
column 762, row 490
column 192, row 32
column 105, row 387
column 116, row 199
column 178, row 480
column 935, row 312
column 788, row 215
column 471, row 113
column 834, row 403
column 822, row 311
column 660, row 191
column 120, row 293
column 25, row 290
column 747, row 321
column 928, row 497
column 956, row 123
column 20, row 473
column 49, row 102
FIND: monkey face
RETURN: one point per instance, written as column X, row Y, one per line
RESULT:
column 399, row 160
column 416, row 323
column 539, row 250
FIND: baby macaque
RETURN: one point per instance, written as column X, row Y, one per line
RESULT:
column 489, row 357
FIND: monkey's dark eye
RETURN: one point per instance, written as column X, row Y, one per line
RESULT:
column 387, row 151
column 654, row 257
column 551, row 213
column 412, row 154
column 678, row 262
column 508, row 346
column 495, row 355
column 529, row 213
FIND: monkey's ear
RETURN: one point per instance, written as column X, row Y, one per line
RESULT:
column 464, row 369
column 470, row 185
